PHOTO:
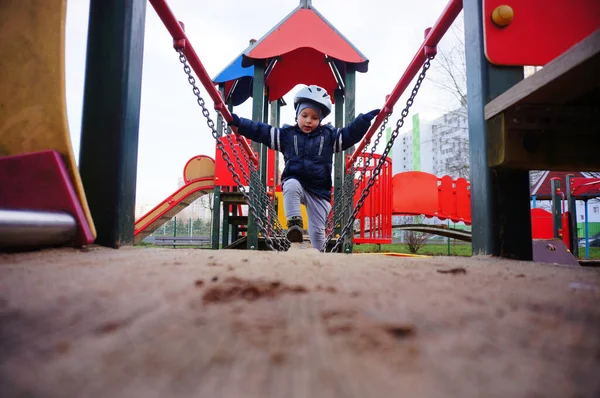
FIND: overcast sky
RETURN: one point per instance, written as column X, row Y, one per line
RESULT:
column 172, row 129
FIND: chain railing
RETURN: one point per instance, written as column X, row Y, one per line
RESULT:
column 350, row 185
column 269, row 213
column 251, row 198
column 350, row 222
column 274, row 236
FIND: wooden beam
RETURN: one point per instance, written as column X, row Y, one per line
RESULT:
column 499, row 197
column 111, row 114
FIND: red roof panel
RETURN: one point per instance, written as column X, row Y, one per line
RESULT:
column 305, row 28
column 302, row 66
column 542, row 187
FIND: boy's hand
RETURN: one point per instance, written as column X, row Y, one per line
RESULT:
column 235, row 120
column 369, row 116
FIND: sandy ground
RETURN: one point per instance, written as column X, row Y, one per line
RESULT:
column 140, row 322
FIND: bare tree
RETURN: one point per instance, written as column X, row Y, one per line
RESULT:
column 451, row 64
column 451, row 136
column 412, row 239
column 415, row 240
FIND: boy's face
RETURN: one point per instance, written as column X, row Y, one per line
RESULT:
column 308, row 120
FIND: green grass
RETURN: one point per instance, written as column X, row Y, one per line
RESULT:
column 427, row 250
column 442, row 250
column 594, row 253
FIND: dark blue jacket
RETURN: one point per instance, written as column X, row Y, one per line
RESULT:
column 308, row 157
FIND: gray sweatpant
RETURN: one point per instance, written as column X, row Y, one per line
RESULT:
column 317, row 210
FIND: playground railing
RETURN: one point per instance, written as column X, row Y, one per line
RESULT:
column 375, row 216
column 181, row 42
column 433, row 37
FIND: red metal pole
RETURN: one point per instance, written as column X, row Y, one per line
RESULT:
column 434, row 36
column 181, row 41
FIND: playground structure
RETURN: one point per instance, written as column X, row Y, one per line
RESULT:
column 560, row 222
column 498, row 177
column 228, row 323
column 409, row 193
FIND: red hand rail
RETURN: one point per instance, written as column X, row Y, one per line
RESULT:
column 432, row 39
column 181, row 41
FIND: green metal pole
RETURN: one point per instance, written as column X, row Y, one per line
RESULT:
column 274, row 121
column 573, row 238
column 225, row 234
column 350, row 104
column 258, row 93
column 499, row 197
column 264, row 155
column 216, row 218
column 234, row 207
column 339, row 163
column 234, row 227
column 111, row 114
column 449, row 238
column 556, row 210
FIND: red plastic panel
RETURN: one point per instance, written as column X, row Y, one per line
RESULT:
column 223, row 177
column 565, row 229
column 585, row 186
column 415, row 192
column 301, row 66
column 463, row 200
column 40, row 181
column 375, row 216
column 447, row 198
column 316, row 34
column 540, row 31
column 541, row 224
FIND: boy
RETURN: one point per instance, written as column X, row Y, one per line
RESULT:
column 307, row 149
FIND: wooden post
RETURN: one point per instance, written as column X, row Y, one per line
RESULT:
column 258, row 90
column 225, row 232
column 499, row 197
column 350, row 103
column 338, row 180
column 216, row 219
column 274, row 121
column 556, row 208
column 111, row 114
column 572, row 209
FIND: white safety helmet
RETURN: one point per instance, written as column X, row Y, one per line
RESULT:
column 314, row 94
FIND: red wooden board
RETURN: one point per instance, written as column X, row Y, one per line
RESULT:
column 540, row 31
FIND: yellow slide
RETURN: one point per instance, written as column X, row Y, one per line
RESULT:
column 33, row 113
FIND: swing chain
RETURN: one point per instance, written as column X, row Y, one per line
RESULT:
column 350, row 223
column 221, row 146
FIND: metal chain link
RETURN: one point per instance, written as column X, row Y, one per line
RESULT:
column 347, row 189
column 269, row 214
column 221, row 147
column 258, row 195
column 350, row 222
column 270, row 207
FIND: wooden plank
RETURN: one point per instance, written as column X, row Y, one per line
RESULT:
column 566, row 78
column 233, row 198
